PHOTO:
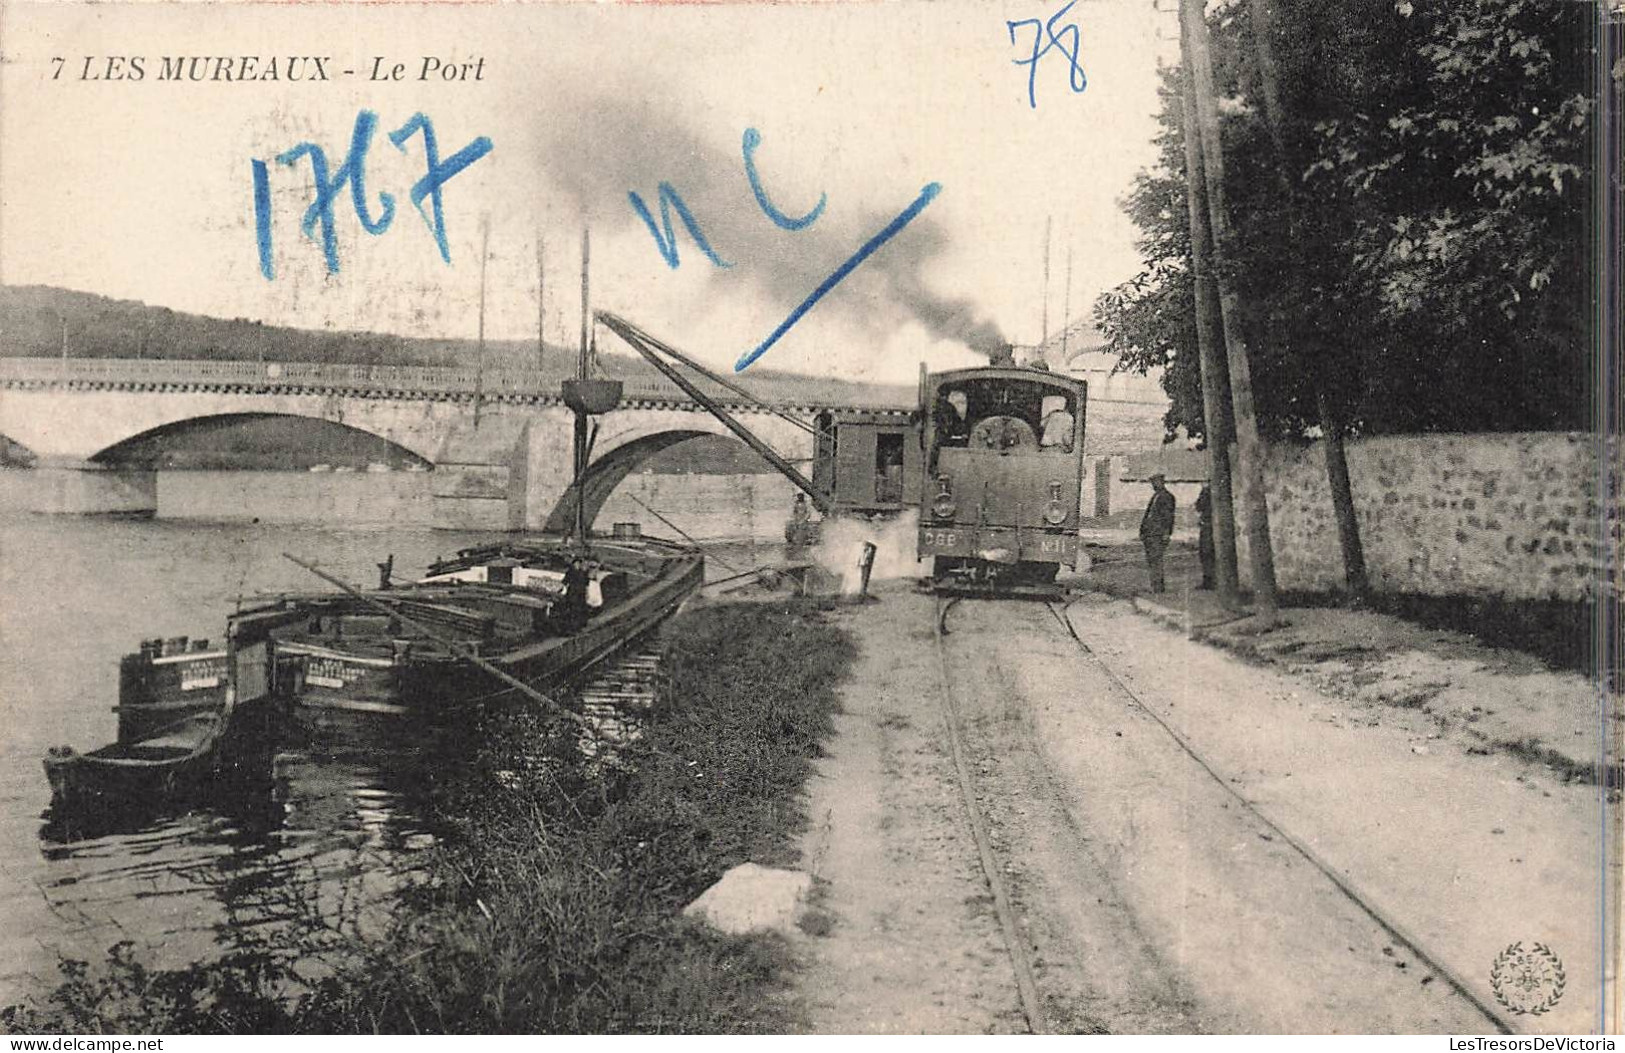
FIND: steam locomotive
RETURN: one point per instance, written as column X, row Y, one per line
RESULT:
column 993, row 460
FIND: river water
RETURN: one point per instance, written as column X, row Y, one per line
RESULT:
column 340, row 818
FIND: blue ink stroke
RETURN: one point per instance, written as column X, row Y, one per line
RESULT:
column 904, row 218
column 352, row 171
column 437, row 172
column 262, row 218
column 1075, row 75
column 753, row 139
column 667, row 246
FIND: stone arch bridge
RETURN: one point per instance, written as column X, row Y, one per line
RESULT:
column 498, row 442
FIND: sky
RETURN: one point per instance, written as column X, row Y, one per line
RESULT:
column 144, row 189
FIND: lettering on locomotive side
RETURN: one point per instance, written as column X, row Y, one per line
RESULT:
column 943, row 538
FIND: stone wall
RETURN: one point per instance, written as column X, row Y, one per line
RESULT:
column 1115, row 430
column 1515, row 516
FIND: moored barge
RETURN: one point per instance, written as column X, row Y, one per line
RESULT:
column 404, row 651
column 186, row 719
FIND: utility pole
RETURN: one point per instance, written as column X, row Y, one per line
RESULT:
column 581, row 435
column 1261, row 559
column 1066, row 307
column 479, row 354
column 1220, row 428
column 1043, row 324
column 1331, row 417
column 541, row 309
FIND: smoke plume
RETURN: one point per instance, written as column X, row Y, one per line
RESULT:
column 603, row 145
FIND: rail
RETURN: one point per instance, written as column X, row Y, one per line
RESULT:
column 417, row 380
column 1340, row 879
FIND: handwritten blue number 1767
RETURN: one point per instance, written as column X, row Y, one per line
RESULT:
column 330, row 183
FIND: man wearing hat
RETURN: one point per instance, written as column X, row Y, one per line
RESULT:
column 1156, row 527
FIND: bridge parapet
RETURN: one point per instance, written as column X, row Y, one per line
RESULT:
column 438, row 383
column 499, row 439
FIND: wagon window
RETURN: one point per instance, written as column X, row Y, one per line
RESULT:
column 824, row 460
column 889, row 468
column 953, row 418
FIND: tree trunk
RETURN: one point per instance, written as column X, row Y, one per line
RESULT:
column 1261, row 558
column 1331, row 423
column 1337, row 478
column 1218, row 425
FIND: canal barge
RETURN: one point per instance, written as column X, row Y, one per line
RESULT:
column 186, row 720
column 167, row 681
column 433, row 649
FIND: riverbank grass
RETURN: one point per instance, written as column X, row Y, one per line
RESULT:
column 554, row 904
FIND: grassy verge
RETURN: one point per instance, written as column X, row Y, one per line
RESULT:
column 554, row 907
column 1566, row 635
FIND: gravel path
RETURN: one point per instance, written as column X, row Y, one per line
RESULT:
column 1152, row 899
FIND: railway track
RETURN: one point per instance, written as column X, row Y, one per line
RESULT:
column 1017, row 947
column 1032, row 1006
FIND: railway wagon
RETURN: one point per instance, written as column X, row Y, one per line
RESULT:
column 1002, row 476
column 868, row 462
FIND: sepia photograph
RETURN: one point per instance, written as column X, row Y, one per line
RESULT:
column 948, row 517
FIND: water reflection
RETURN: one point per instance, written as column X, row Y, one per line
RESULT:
column 336, row 823
column 325, row 825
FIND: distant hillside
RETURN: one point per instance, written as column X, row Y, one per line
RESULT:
column 39, row 321
column 32, row 319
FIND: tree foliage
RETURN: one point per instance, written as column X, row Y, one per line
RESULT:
column 1413, row 243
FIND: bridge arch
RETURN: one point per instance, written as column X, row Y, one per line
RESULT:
column 628, row 448
column 14, row 454
column 145, row 447
column 609, row 471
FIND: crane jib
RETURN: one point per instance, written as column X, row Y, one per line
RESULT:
column 651, row 349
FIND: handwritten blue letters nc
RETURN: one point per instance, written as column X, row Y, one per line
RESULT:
column 665, row 235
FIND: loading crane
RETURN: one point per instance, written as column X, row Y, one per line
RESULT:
column 662, row 356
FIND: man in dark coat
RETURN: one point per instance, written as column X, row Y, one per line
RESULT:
column 577, row 577
column 1156, row 527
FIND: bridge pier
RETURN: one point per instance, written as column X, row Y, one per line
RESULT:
column 543, row 463
column 504, row 473
column 86, row 489
column 474, row 475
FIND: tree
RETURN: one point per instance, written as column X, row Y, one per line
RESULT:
column 1221, row 285
column 1261, row 27
column 1471, row 189
column 1445, row 248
